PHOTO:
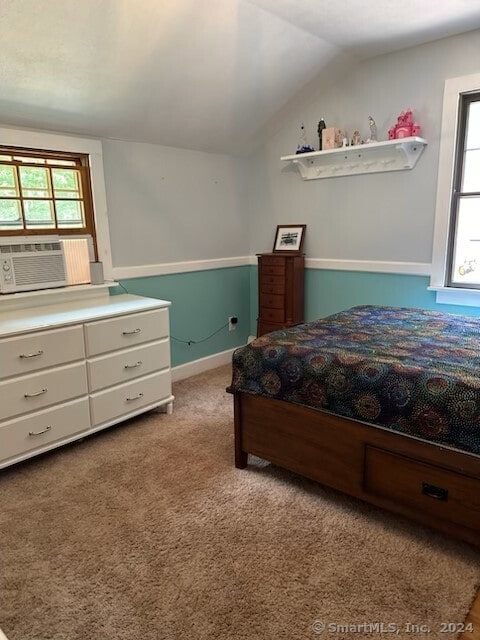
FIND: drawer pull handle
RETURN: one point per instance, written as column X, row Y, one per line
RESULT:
column 140, row 395
column 432, row 491
column 35, row 394
column 31, row 355
column 133, row 366
column 39, row 433
column 130, row 333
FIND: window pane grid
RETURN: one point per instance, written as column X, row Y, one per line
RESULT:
column 42, row 193
column 464, row 255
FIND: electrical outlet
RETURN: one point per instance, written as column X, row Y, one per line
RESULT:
column 232, row 323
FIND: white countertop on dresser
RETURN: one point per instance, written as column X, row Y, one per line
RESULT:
column 13, row 322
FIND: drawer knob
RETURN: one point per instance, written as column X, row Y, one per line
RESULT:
column 140, row 395
column 39, row 433
column 31, row 355
column 432, row 491
column 133, row 366
column 130, row 333
column 35, row 393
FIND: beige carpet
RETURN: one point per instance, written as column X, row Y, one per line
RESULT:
column 148, row 532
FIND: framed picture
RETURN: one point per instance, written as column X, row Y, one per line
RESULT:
column 289, row 237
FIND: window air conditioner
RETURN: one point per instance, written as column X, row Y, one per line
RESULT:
column 28, row 264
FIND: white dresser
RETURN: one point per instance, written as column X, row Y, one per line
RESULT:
column 68, row 369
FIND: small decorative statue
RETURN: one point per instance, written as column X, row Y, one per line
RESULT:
column 321, row 127
column 303, row 146
column 356, row 138
column 373, row 130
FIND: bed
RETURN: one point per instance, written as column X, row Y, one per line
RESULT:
column 382, row 403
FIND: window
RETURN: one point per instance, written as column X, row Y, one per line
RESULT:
column 44, row 192
column 73, row 196
column 464, row 242
column 455, row 271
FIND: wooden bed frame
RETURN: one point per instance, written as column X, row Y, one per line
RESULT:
column 434, row 485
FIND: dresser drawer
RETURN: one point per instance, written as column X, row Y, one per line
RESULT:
column 272, row 301
column 275, row 280
column 125, row 331
column 127, row 398
column 272, row 261
column 38, row 390
column 33, row 351
column 273, row 271
column 43, row 427
column 276, row 289
column 272, row 315
column 434, row 490
column 105, row 371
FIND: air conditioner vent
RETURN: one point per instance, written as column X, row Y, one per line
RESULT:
column 37, row 270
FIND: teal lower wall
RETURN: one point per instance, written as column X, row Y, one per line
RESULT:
column 328, row 291
column 203, row 300
column 201, row 303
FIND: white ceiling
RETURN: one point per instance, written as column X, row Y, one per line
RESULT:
column 199, row 74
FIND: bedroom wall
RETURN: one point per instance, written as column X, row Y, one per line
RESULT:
column 381, row 217
column 173, row 215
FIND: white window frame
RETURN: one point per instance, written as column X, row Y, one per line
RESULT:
column 48, row 141
column 454, row 89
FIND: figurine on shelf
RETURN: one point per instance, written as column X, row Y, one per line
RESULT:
column 405, row 126
column 373, row 130
column 303, row 146
column 320, row 128
column 356, row 138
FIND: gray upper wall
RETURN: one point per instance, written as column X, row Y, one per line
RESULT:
column 385, row 216
column 173, row 205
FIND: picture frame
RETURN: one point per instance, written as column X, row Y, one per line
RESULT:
column 289, row 238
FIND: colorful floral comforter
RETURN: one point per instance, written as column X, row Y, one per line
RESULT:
column 414, row 371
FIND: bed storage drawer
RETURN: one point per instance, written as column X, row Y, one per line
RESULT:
column 434, row 490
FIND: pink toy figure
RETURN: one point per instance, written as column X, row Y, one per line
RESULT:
column 391, row 133
column 415, row 129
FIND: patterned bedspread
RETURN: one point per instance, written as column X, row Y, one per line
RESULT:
column 414, row 371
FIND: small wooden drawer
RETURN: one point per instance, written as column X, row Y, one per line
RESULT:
column 125, row 399
column 38, row 390
column 43, row 427
column 267, row 327
column 273, row 271
column 33, row 351
column 434, row 490
column 105, row 371
column 272, row 301
column 275, row 280
column 272, row 315
column 272, row 261
column 125, row 331
column 276, row 289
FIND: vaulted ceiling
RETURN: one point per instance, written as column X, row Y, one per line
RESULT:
column 198, row 74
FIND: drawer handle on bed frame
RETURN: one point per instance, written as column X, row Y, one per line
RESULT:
column 432, row 491
column 39, row 433
column 140, row 395
column 130, row 333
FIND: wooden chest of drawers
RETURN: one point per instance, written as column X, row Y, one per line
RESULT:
column 280, row 291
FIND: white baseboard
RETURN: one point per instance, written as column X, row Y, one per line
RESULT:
column 3, row 636
column 183, row 371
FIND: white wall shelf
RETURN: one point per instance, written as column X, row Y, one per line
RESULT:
column 374, row 157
